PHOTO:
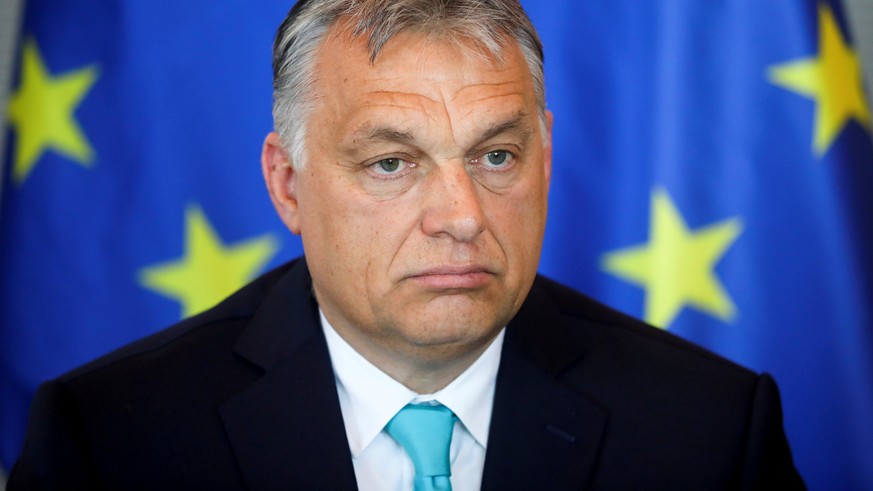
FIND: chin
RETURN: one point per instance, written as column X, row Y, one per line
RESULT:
column 465, row 318
column 454, row 326
column 440, row 344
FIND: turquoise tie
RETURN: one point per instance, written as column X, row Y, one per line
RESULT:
column 425, row 432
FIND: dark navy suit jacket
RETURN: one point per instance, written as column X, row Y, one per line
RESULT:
column 243, row 397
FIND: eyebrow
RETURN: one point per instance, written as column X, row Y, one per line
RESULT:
column 371, row 133
column 513, row 123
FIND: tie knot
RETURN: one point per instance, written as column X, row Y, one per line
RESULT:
column 425, row 432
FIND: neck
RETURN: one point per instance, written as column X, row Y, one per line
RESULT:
column 426, row 376
column 422, row 369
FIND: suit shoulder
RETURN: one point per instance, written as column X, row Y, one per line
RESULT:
column 221, row 323
column 611, row 329
column 693, row 417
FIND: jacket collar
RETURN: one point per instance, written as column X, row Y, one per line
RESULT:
column 286, row 429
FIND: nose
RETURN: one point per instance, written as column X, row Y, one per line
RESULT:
column 453, row 207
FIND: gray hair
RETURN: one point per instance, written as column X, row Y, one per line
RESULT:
column 487, row 23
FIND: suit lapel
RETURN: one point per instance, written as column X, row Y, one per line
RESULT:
column 287, row 431
column 286, row 428
column 543, row 434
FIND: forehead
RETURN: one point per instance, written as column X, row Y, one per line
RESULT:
column 422, row 75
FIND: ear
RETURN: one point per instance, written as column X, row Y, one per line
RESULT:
column 281, row 179
column 547, row 147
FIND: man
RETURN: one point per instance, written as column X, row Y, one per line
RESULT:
column 412, row 155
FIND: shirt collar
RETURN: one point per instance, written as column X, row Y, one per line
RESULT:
column 369, row 397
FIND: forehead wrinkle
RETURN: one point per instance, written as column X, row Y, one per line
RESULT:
column 512, row 87
column 510, row 93
column 402, row 100
column 376, row 127
column 506, row 99
column 395, row 96
column 501, row 123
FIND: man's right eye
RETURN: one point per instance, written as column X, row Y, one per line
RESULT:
column 390, row 166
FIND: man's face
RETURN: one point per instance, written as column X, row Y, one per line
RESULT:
column 422, row 203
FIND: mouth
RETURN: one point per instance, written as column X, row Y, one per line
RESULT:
column 452, row 277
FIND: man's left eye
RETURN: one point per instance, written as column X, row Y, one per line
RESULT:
column 496, row 158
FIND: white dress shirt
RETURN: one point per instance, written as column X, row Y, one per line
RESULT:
column 369, row 398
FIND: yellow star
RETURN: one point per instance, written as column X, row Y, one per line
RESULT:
column 41, row 111
column 677, row 266
column 209, row 271
column 833, row 79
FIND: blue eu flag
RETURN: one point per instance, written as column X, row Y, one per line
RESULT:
column 712, row 175
column 132, row 192
column 712, row 168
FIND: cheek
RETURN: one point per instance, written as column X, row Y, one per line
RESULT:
column 518, row 224
column 346, row 228
column 519, row 216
